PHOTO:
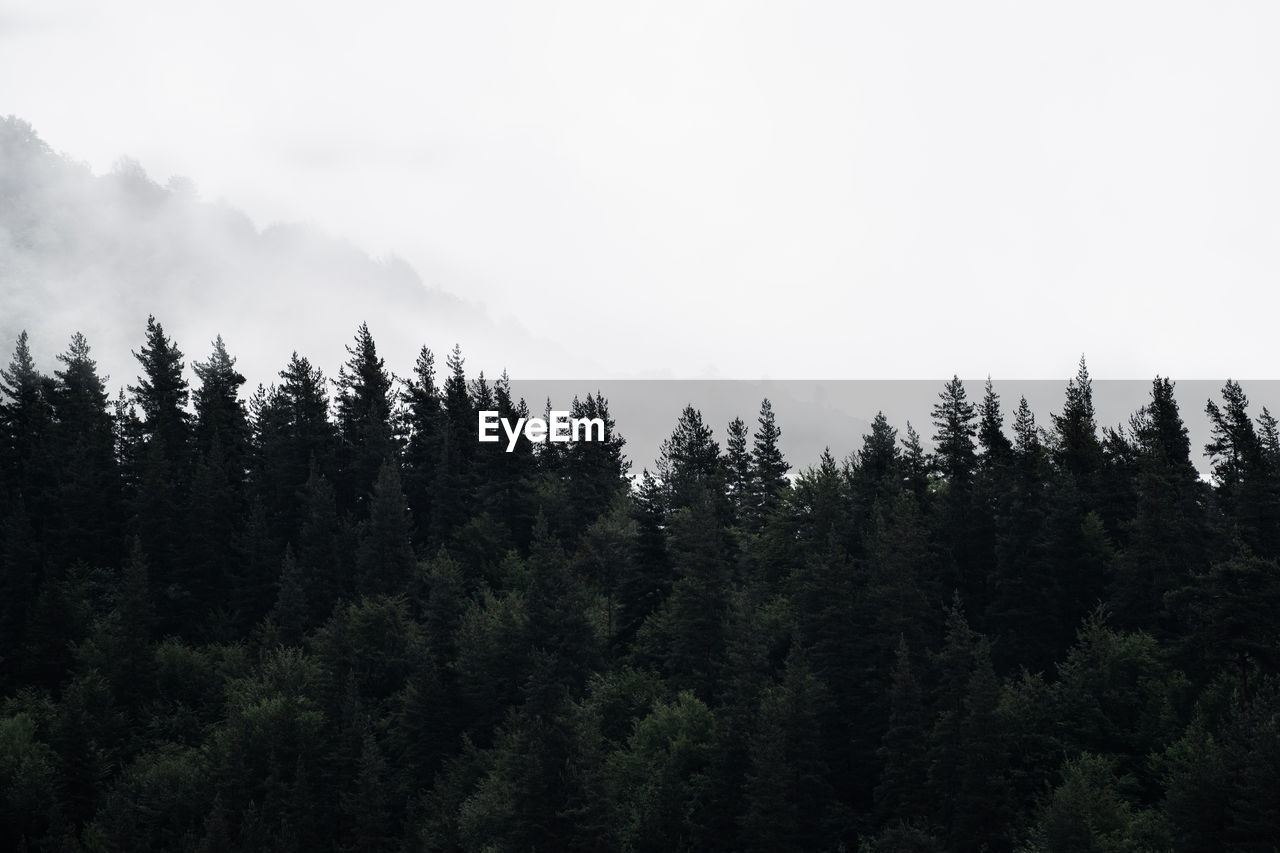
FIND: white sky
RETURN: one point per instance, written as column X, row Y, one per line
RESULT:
column 849, row 190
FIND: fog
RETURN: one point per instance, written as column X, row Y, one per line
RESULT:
column 99, row 253
column 811, row 190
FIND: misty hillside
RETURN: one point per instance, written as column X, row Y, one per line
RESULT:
column 98, row 253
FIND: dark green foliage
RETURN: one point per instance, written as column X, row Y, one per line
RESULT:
column 84, row 464
column 423, row 423
column 1168, row 536
column 384, row 559
column 878, row 475
column 162, row 394
column 659, row 776
column 953, row 417
column 1077, row 449
column 364, row 406
column 768, row 481
column 281, row 627
column 690, row 627
column 786, row 789
column 689, row 464
column 221, row 416
column 900, row 793
column 1229, row 610
column 294, row 441
column 737, row 470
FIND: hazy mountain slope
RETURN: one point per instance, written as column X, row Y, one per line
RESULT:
column 97, row 254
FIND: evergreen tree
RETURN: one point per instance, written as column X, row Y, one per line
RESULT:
column 917, row 466
column 996, row 447
column 364, row 405
column 1248, row 485
column 594, row 471
column 221, row 416
column 900, row 793
column 293, row 438
column 959, row 527
column 642, row 590
column 162, row 469
column 325, row 554
column 162, row 394
column 737, row 469
column 1228, row 607
column 1077, row 449
column 26, row 416
column 384, row 561
column 88, row 480
column 953, row 417
column 878, row 475
column 424, row 424
column 291, row 614
column 769, row 469
column 692, row 621
column 786, row 786
column 689, row 463
column 559, row 629
column 1168, row 535
column 453, row 499
column 1024, row 585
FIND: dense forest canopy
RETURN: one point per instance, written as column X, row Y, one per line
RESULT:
column 320, row 615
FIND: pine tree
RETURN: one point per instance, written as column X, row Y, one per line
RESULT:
column 1024, row 585
column 900, row 793
column 996, row 447
column 27, row 501
column 1168, row 535
column 423, row 417
column 293, row 437
column 917, row 466
column 694, row 613
column 87, row 510
column 504, row 479
column 642, row 590
column 1077, row 450
column 162, row 395
column 953, row 417
column 787, row 784
column 324, row 550
column 365, row 401
column 737, row 469
column 162, row 469
column 1230, row 610
column 26, row 417
column 365, row 802
column 1248, row 485
column 558, row 625
column 291, row 613
column 959, row 528
column 769, row 469
column 878, row 475
column 689, row 463
column 453, row 500
column 385, row 561
column 221, row 415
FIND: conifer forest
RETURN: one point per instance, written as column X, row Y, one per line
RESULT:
column 320, row 615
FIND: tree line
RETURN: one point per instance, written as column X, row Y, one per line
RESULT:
column 321, row 615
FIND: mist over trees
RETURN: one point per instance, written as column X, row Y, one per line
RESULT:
column 99, row 252
column 318, row 614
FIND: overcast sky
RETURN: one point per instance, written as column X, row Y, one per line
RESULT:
column 851, row 190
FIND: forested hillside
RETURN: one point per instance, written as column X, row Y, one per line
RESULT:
column 321, row 615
